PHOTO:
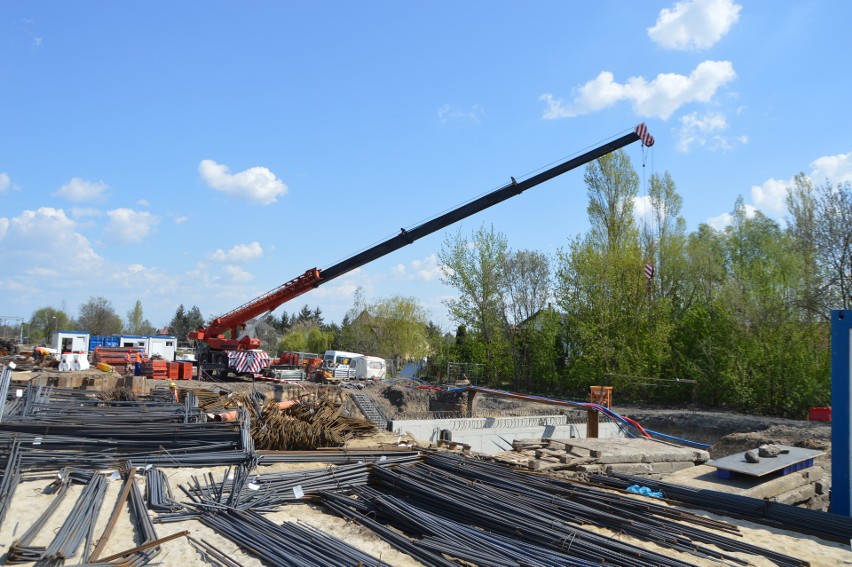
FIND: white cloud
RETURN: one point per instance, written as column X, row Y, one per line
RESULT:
column 80, row 212
column 46, row 239
column 836, row 169
column 451, row 112
column 706, row 131
column 694, row 24
column 239, row 253
column 256, row 184
column 143, row 203
column 719, row 222
column 426, row 270
column 127, row 226
column 79, row 190
column 181, row 220
column 658, row 98
column 642, row 210
column 5, row 182
column 770, row 196
column 236, row 274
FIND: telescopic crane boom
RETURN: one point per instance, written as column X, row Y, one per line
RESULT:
column 215, row 345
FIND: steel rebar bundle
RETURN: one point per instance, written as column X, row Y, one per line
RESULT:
column 22, row 550
column 502, row 512
column 5, row 380
column 823, row 524
column 50, row 447
column 620, row 513
column 539, row 515
column 287, row 544
column 439, row 536
column 263, row 492
column 11, row 477
column 158, row 493
column 337, row 456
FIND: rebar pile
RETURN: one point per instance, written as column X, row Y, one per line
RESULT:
column 64, row 427
column 333, row 455
column 823, row 524
column 465, row 509
column 78, row 525
column 265, row 492
column 308, row 425
column 291, row 543
column 11, row 477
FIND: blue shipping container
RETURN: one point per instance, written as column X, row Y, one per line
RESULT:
column 103, row 342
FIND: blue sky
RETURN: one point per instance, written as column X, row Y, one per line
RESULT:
column 206, row 152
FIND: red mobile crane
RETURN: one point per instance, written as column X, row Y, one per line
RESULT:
column 213, row 346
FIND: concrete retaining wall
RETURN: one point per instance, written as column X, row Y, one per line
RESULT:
column 490, row 435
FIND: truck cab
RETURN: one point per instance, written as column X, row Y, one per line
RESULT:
column 339, row 365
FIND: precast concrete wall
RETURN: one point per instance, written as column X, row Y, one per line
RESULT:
column 490, row 435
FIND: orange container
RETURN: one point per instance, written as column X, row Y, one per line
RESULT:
column 185, row 370
column 174, row 371
column 159, row 369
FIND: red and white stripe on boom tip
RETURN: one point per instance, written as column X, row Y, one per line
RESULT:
column 642, row 132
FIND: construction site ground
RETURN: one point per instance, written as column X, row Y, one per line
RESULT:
column 731, row 433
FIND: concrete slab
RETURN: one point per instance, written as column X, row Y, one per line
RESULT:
column 737, row 462
column 622, row 450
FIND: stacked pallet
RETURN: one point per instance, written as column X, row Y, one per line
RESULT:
column 155, row 369
column 641, row 457
column 114, row 356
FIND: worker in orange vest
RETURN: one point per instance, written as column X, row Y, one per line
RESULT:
column 127, row 362
column 137, row 369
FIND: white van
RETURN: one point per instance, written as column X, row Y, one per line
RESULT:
column 339, row 364
column 370, row 368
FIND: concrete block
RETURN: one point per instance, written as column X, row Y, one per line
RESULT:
column 670, row 467
column 797, row 495
column 779, row 485
column 819, row 487
column 543, row 464
column 630, row 468
column 590, row 469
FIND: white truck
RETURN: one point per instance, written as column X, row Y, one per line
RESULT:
column 338, row 365
column 370, row 368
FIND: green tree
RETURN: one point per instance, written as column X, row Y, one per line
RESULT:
column 193, row 320
column 834, row 241
column 98, row 317
column 306, row 337
column 179, row 326
column 294, row 341
column 400, row 325
column 45, row 321
column 612, row 185
column 664, row 237
column 137, row 324
column 475, row 268
column 614, row 324
column 356, row 333
column 802, row 227
column 526, row 281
